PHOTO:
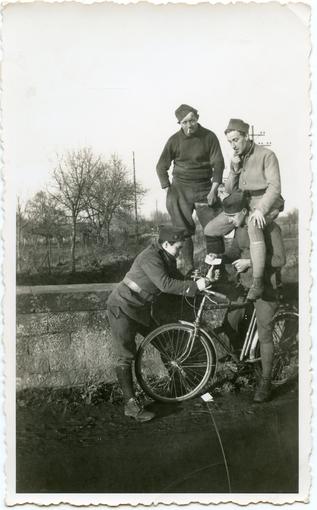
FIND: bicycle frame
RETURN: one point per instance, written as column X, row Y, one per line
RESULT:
column 251, row 338
column 251, row 341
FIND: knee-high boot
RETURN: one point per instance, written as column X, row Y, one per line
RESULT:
column 263, row 391
column 188, row 255
column 215, row 244
column 131, row 407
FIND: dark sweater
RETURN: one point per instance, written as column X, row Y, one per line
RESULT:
column 197, row 158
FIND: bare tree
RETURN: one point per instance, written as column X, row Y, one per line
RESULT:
column 159, row 217
column 74, row 177
column 45, row 219
column 292, row 221
column 110, row 194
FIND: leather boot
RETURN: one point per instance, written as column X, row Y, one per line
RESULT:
column 135, row 410
column 256, row 289
column 131, row 407
column 188, row 256
column 263, row 391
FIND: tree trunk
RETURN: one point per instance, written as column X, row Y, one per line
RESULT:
column 108, row 233
column 48, row 250
column 73, row 247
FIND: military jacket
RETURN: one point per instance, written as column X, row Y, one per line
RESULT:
column 259, row 170
column 154, row 271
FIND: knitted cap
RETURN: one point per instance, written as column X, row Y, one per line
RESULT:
column 183, row 110
column 172, row 234
column 237, row 125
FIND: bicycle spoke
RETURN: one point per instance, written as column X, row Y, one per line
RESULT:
column 173, row 365
column 162, row 348
column 184, row 382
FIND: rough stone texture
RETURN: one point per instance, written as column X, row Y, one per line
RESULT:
column 63, row 336
column 63, row 298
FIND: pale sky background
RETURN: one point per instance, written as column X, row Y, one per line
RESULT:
column 111, row 76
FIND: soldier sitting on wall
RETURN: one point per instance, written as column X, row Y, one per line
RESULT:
column 129, row 305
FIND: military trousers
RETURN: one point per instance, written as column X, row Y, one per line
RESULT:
column 182, row 199
column 124, row 330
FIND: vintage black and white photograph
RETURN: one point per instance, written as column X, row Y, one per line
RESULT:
column 157, row 195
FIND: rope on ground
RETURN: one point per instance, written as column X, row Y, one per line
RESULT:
column 208, row 399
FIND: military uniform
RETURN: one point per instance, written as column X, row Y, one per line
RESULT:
column 266, row 306
column 129, row 305
column 197, row 163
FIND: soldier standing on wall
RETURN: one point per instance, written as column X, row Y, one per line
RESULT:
column 197, row 172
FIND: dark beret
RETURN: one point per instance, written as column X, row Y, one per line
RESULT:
column 237, row 125
column 235, row 202
column 183, row 110
column 172, row 234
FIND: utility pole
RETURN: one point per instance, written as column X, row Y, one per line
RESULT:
column 135, row 200
column 261, row 133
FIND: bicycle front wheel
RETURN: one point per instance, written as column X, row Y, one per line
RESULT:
column 173, row 365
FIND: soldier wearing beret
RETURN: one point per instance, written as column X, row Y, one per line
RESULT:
column 129, row 305
column 255, row 170
column 197, row 172
column 236, row 209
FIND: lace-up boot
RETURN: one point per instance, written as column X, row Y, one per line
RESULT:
column 131, row 407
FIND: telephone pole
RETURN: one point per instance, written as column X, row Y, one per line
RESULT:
column 261, row 133
column 135, row 200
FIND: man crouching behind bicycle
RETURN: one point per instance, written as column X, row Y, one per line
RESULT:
column 129, row 305
column 235, row 206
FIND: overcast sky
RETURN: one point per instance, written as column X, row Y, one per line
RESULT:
column 111, row 76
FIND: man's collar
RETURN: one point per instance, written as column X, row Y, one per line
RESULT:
column 250, row 150
column 160, row 248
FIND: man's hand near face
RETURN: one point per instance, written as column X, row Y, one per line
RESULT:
column 235, row 160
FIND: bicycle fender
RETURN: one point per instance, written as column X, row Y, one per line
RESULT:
column 203, row 332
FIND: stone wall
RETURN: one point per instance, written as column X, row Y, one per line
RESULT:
column 63, row 336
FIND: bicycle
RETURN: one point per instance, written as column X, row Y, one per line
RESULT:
column 176, row 361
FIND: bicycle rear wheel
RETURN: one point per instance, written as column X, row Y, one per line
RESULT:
column 285, row 338
column 167, row 370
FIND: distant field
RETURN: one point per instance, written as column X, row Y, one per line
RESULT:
column 95, row 264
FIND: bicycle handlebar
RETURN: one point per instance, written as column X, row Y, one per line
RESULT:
column 218, row 295
column 228, row 304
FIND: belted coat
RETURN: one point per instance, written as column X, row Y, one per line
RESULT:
column 153, row 271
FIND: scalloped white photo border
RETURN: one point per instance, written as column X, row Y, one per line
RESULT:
column 160, row 500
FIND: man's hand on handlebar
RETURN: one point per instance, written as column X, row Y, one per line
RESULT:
column 202, row 283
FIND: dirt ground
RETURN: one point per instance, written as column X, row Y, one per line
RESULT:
column 84, row 447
